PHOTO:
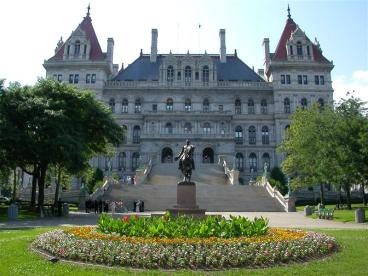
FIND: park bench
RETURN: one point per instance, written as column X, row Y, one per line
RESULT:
column 325, row 213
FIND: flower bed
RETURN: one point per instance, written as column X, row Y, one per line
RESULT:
column 277, row 246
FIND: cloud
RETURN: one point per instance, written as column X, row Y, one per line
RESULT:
column 356, row 85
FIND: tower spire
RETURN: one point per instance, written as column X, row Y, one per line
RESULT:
column 88, row 8
column 288, row 10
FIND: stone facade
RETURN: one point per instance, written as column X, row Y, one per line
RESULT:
column 215, row 100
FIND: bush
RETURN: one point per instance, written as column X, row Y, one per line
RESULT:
column 278, row 180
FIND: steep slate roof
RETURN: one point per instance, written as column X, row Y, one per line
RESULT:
column 281, row 54
column 96, row 52
column 233, row 69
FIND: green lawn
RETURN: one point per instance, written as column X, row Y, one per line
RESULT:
column 24, row 213
column 17, row 259
column 342, row 215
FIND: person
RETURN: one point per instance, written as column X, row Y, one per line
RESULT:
column 113, row 205
column 186, row 152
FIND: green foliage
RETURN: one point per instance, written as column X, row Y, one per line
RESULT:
column 183, row 226
column 94, row 179
column 278, row 180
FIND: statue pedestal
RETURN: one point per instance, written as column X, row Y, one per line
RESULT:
column 186, row 201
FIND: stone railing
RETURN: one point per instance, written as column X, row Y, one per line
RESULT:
column 141, row 174
column 231, row 173
column 99, row 193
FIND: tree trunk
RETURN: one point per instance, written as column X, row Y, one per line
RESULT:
column 363, row 194
column 14, row 195
column 348, row 198
column 322, row 190
column 34, row 187
column 41, row 187
column 57, row 185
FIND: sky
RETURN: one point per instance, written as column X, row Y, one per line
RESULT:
column 29, row 31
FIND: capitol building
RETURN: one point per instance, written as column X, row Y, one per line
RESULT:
column 227, row 110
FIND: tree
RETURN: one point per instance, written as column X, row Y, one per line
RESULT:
column 278, row 179
column 94, row 179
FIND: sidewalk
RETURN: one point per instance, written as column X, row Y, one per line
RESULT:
column 276, row 219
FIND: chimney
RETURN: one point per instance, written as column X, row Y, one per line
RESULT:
column 266, row 45
column 222, row 46
column 153, row 55
column 110, row 50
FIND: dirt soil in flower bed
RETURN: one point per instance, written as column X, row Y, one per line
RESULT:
column 277, row 247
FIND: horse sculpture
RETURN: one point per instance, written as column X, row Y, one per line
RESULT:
column 186, row 162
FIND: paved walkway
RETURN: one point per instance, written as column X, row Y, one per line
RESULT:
column 276, row 219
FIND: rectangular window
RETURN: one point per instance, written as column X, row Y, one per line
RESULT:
column 85, row 49
column 305, row 79
column 316, row 80
column 221, row 108
column 54, row 76
column 308, row 51
column 291, row 50
column 154, row 107
column 93, row 78
column 71, row 77
column 282, row 79
column 60, row 77
column 288, row 80
column 300, row 81
column 322, row 80
column 76, row 78
column 196, row 75
column 88, row 78
column 179, row 75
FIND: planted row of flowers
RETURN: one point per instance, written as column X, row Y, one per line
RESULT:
column 278, row 246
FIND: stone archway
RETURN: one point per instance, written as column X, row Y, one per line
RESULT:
column 166, row 155
column 208, row 156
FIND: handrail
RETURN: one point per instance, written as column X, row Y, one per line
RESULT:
column 231, row 173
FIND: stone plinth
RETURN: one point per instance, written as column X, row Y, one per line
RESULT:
column 186, row 201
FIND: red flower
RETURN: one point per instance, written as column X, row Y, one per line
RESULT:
column 125, row 218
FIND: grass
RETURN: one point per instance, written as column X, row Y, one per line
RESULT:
column 17, row 259
column 23, row 212
column 342, row 215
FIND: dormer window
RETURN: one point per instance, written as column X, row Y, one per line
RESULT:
column 308, row 51
column 170, row 74
column 77, row 48
column 291, row 50
column 205, row 74
column 299, row 49
column 188, row 75
column 68, row 50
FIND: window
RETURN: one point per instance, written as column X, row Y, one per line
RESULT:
column 136, row 135
column 112, row 104
column 288, row 79
column 308, row 51
column 188, row 105
column 76, row 78
column 93, row 78
column 206, row 128
column 77, row 48
column 251, row 106
column 239, row 161
column 253, row 162
column 85, row 50
column 316, row 80
column 170, row 74
column 154, row 107
column 138, row 106
column 68, row 50
column 71, row 78
column 265, row 136
column 238, row 135
column 304, row 103
column 305, row 79
column 291, row 50
column 196, row 75
column 266, row 160
column 264, row 106
column 168, row 128
column 221, row 107
column 205, row 75
column 300, row 79
column 88, row 78
column 124, row 140
column 187, row 75
column 124, row 106
column 206, row 105
column 187, row 128
column 282, row 79
column 287, row 105
column 237, row 106
column 121, row 161
column 169, row 104
column 135, row 160
column 321, row 102
column 252, row 135
column 321, row 80
column 179, row 76
column 299, row 49
column 60, row 77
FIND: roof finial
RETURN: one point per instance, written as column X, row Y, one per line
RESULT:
column 288, row 10
column 88, row 8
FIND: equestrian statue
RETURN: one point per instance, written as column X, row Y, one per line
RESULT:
column 186, row 162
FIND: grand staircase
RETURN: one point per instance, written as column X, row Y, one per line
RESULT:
column 214, row 193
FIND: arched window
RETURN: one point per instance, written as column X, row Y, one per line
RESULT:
column 299, row 49
column 170, row 74
column 266, row 159
column 121, row 161
column 239, row 161
column 169, row 104
column 112, row 105
column 138, row 106
column 205, row 75
column 206, row 128
column 208, row 156
column 252, row 135
column 124, row 106
column 253, row 162
column 237, row 106
column 125, row 129
column 135, row 160
column 187, row 128
column 321, row 102
column 169, row 128
column 166, row 155
column 77, row 48
column 264, row 106
column 188, row 76
column 136, row 134
column 188, row 105
column 287, row 105
column 304, row 103
column 251, row 106
column 265, row 136
column 206, row 105
column 239, row 135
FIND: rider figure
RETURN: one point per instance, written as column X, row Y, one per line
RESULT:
column 185, row 150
